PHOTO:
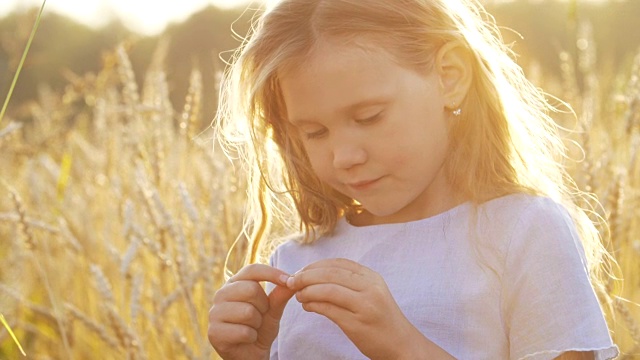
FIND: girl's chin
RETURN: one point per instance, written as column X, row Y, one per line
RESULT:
column 366, row 217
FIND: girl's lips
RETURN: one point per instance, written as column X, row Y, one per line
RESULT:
column 363, row 184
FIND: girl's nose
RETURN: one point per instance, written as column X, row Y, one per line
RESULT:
column 348, row 155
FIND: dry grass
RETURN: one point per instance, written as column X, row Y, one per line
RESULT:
column 116, row 220
column 606, row 126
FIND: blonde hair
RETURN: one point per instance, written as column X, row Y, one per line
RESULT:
column 504, row 141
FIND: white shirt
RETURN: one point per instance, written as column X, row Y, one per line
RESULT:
column 512, row 286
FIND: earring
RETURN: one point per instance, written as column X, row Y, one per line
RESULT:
column 456, row 110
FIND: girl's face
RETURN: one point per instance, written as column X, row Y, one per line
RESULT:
column 373, row 130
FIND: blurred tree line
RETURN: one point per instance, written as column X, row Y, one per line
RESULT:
column 64, row 49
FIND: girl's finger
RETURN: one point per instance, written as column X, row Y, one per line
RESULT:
column 227, row 335
column 347, row 278
column 338, row 263
column 337, row 295
column 241, row 313
column 340, row 316
column 278, row 299
column 261, row 272
column 243, row 291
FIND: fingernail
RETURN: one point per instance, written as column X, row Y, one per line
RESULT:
column 290, row 282
column 284, row 278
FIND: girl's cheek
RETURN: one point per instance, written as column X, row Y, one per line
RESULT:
column 399, row 158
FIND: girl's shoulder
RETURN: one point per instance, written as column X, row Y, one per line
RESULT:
column 532, row 227
column 516, row 205
column 522, row 223
column 518, row 213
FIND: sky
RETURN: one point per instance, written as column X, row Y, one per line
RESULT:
column 143, row 16
column 147, row 17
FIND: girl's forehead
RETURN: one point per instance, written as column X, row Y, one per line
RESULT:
column 339, row 81
column 333, row 48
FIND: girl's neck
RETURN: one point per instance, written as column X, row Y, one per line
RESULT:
column 365, row 218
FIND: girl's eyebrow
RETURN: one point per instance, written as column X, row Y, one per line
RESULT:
column 350, row 109
column 379, row 100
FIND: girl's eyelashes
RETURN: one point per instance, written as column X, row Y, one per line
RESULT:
column 323, row 131
column 370, row 119
column 315, row 134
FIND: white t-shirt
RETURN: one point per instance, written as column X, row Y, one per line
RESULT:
column 514, row 286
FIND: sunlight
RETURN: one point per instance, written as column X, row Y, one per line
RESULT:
column 147, row 17
column 143, row 16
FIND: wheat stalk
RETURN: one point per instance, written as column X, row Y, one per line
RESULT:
column 9, row 129
column 23, row 225
column 182, row 341
column 31, row 223
column 131, row 97
column 92, row 325
column 22, row 59
column 136, row 296
column 102, row 284
column 124, row 334
column 192, row 105
column 38, row 310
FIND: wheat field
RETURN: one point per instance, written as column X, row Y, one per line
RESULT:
column 116, row 212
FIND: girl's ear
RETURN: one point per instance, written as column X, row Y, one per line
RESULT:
column 453, row 65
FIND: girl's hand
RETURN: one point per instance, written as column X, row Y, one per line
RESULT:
column 244, row 320
column 358, row 300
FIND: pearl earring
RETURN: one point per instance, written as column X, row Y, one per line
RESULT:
column 456, row 110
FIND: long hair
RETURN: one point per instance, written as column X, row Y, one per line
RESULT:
column 504, row 141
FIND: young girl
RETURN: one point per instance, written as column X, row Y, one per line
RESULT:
column 424, row 172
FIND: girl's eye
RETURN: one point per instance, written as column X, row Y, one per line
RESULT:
column 370, row 119
column 316, row 134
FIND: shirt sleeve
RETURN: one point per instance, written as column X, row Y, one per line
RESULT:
column 548, row 304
